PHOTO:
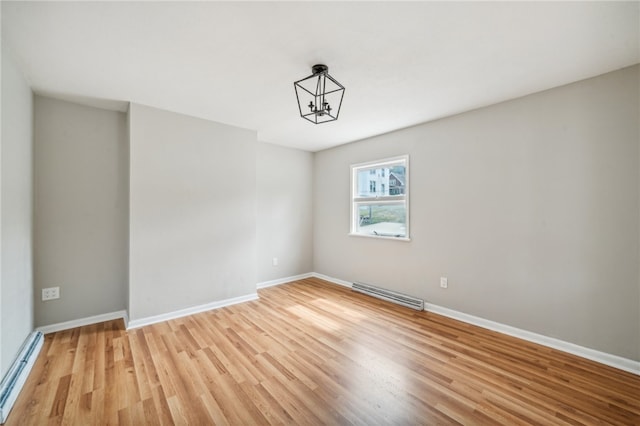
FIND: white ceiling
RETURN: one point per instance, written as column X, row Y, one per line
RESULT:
column 235, row 62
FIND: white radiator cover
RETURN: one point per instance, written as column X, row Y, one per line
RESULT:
column 389, row 295
column 17, row 375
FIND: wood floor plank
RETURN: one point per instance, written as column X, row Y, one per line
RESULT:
column 310, row 352
column 161, row 406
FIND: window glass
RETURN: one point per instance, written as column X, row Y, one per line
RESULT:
column 380, row 198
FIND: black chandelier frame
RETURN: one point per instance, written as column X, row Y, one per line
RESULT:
column 314, row 89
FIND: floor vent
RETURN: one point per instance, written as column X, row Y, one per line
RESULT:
column 391, row 296
column 18, row 372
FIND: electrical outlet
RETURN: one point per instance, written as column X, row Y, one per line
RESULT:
column 444, row 282
column 274, row 262
column 51, row 293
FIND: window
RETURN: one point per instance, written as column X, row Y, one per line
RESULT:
column 383, row 214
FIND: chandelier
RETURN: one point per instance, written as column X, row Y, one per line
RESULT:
column 319, row 96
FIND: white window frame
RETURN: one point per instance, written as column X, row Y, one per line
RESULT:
column 357, row 201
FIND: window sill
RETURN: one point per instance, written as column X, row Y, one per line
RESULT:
column 380, row 237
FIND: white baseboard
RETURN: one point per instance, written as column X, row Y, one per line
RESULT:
column 301, row 277
column 15, row 378
column 602, row 357
column 46, row 329
column 190, row 311
column 285, row 280
column 343, row 283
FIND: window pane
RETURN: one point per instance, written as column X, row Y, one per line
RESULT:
column 382, row 219
column 397, row 180
column 382, row 181
column 380, row 197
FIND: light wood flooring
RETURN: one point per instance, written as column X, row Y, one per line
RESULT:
column 310, row 352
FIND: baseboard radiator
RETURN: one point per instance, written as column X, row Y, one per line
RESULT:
column 389, row 295
column 16, row 376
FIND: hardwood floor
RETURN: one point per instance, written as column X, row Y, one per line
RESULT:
column 310, row 352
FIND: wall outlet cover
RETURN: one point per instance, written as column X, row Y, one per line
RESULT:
column 444, row 282
column 50, row 293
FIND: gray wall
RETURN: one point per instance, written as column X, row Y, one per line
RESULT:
column 192, row 212
column 16, row 278
column 196, row 187
column 80, row 191
column 529, row 207
column 284, row 211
